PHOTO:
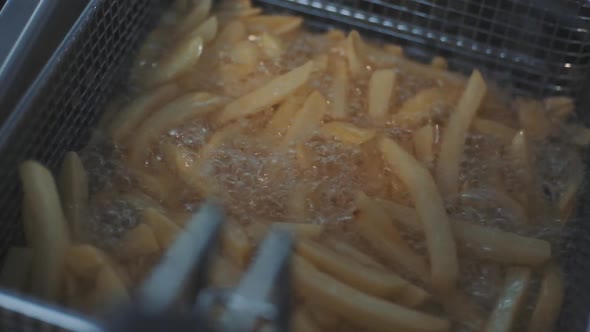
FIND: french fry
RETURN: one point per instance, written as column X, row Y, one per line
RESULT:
column 381, row 87
column 206, row 30
column 304, row 155
column 325, row 319
column 345, row 248
column 371, row 281
column 394, row 50
column 453, row 141
column 272, row 46
column 297, row 204
column 109, row 290
column 424, row 145
column 235, row 244
column 355, row 63
column 164, row 229
column 275, row 24
column 245, row 53
column 51, row 236
column 533, row 119
column 347, row 132
column 140, row 108
column 74, row 194
column 461, row 309
column 359, row 308
column 230, row 35
column 137, row 242
column 375, row 226
column 16, row 271
column 483, row 242
column 178, row 111
column 439, row 63
column 196, row 16
column 224, row 273
column 514, row 292
column 307, row 119
column 267, row 95
column 549, row 301
column 567, row 199
column 302, row 322
column 339, row 88
column 84, row 261
column 183, row 57
column 281, row 119
column 419, row 108
column 502, row 200
column 432, row 213
column 559, row 107
column 496, row 129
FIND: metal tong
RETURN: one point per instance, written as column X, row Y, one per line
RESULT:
column 176, row 296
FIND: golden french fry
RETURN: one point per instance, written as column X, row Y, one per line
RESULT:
column 297, row 204
column 206, row 30
column 304, row 156
column 375, row 226
column 51, row 236
column 439, row 63
column 224, row 273
column 74, row 194
column 549, row 302
column 131, row 116
column 345, row 248
column 559, row 107
column 267, row 95
column 302, row 322
column 109, row 290
column 339, row 89
column 483, row 242
column 394, row 50
column 461, row 309
column 419, row 108
column 272, row 46
column 424, row 145
column 381, row 88
column 371, row 281
column 231, row 34
column 453, row 140
column 533, row 119
column 496, row 129
column 355, row 62
column 178, row 111
column 567, row 198
column 84, row 261
column 196, row 16
column 16, row 271
column 307, row 119
column 281, row 119
column 235, row 244
column 164, row 229
column 347, row 132
column 137, row 242
column 510, row 301
column 245, row 53
column 357, row 307
column 432, row 213
column 183, row 57
column 275, row 24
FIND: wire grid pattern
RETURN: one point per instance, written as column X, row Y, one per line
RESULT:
column 537, row 47
column 60, row 109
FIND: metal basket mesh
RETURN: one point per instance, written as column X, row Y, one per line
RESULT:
column 535, row 47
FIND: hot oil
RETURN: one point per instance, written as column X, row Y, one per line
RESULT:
column 258, row 175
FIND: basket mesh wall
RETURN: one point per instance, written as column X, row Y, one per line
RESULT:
column 537, row 47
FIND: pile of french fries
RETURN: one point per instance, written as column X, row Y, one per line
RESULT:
column 261, row 85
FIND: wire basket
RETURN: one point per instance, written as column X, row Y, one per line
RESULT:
column 532, row 47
